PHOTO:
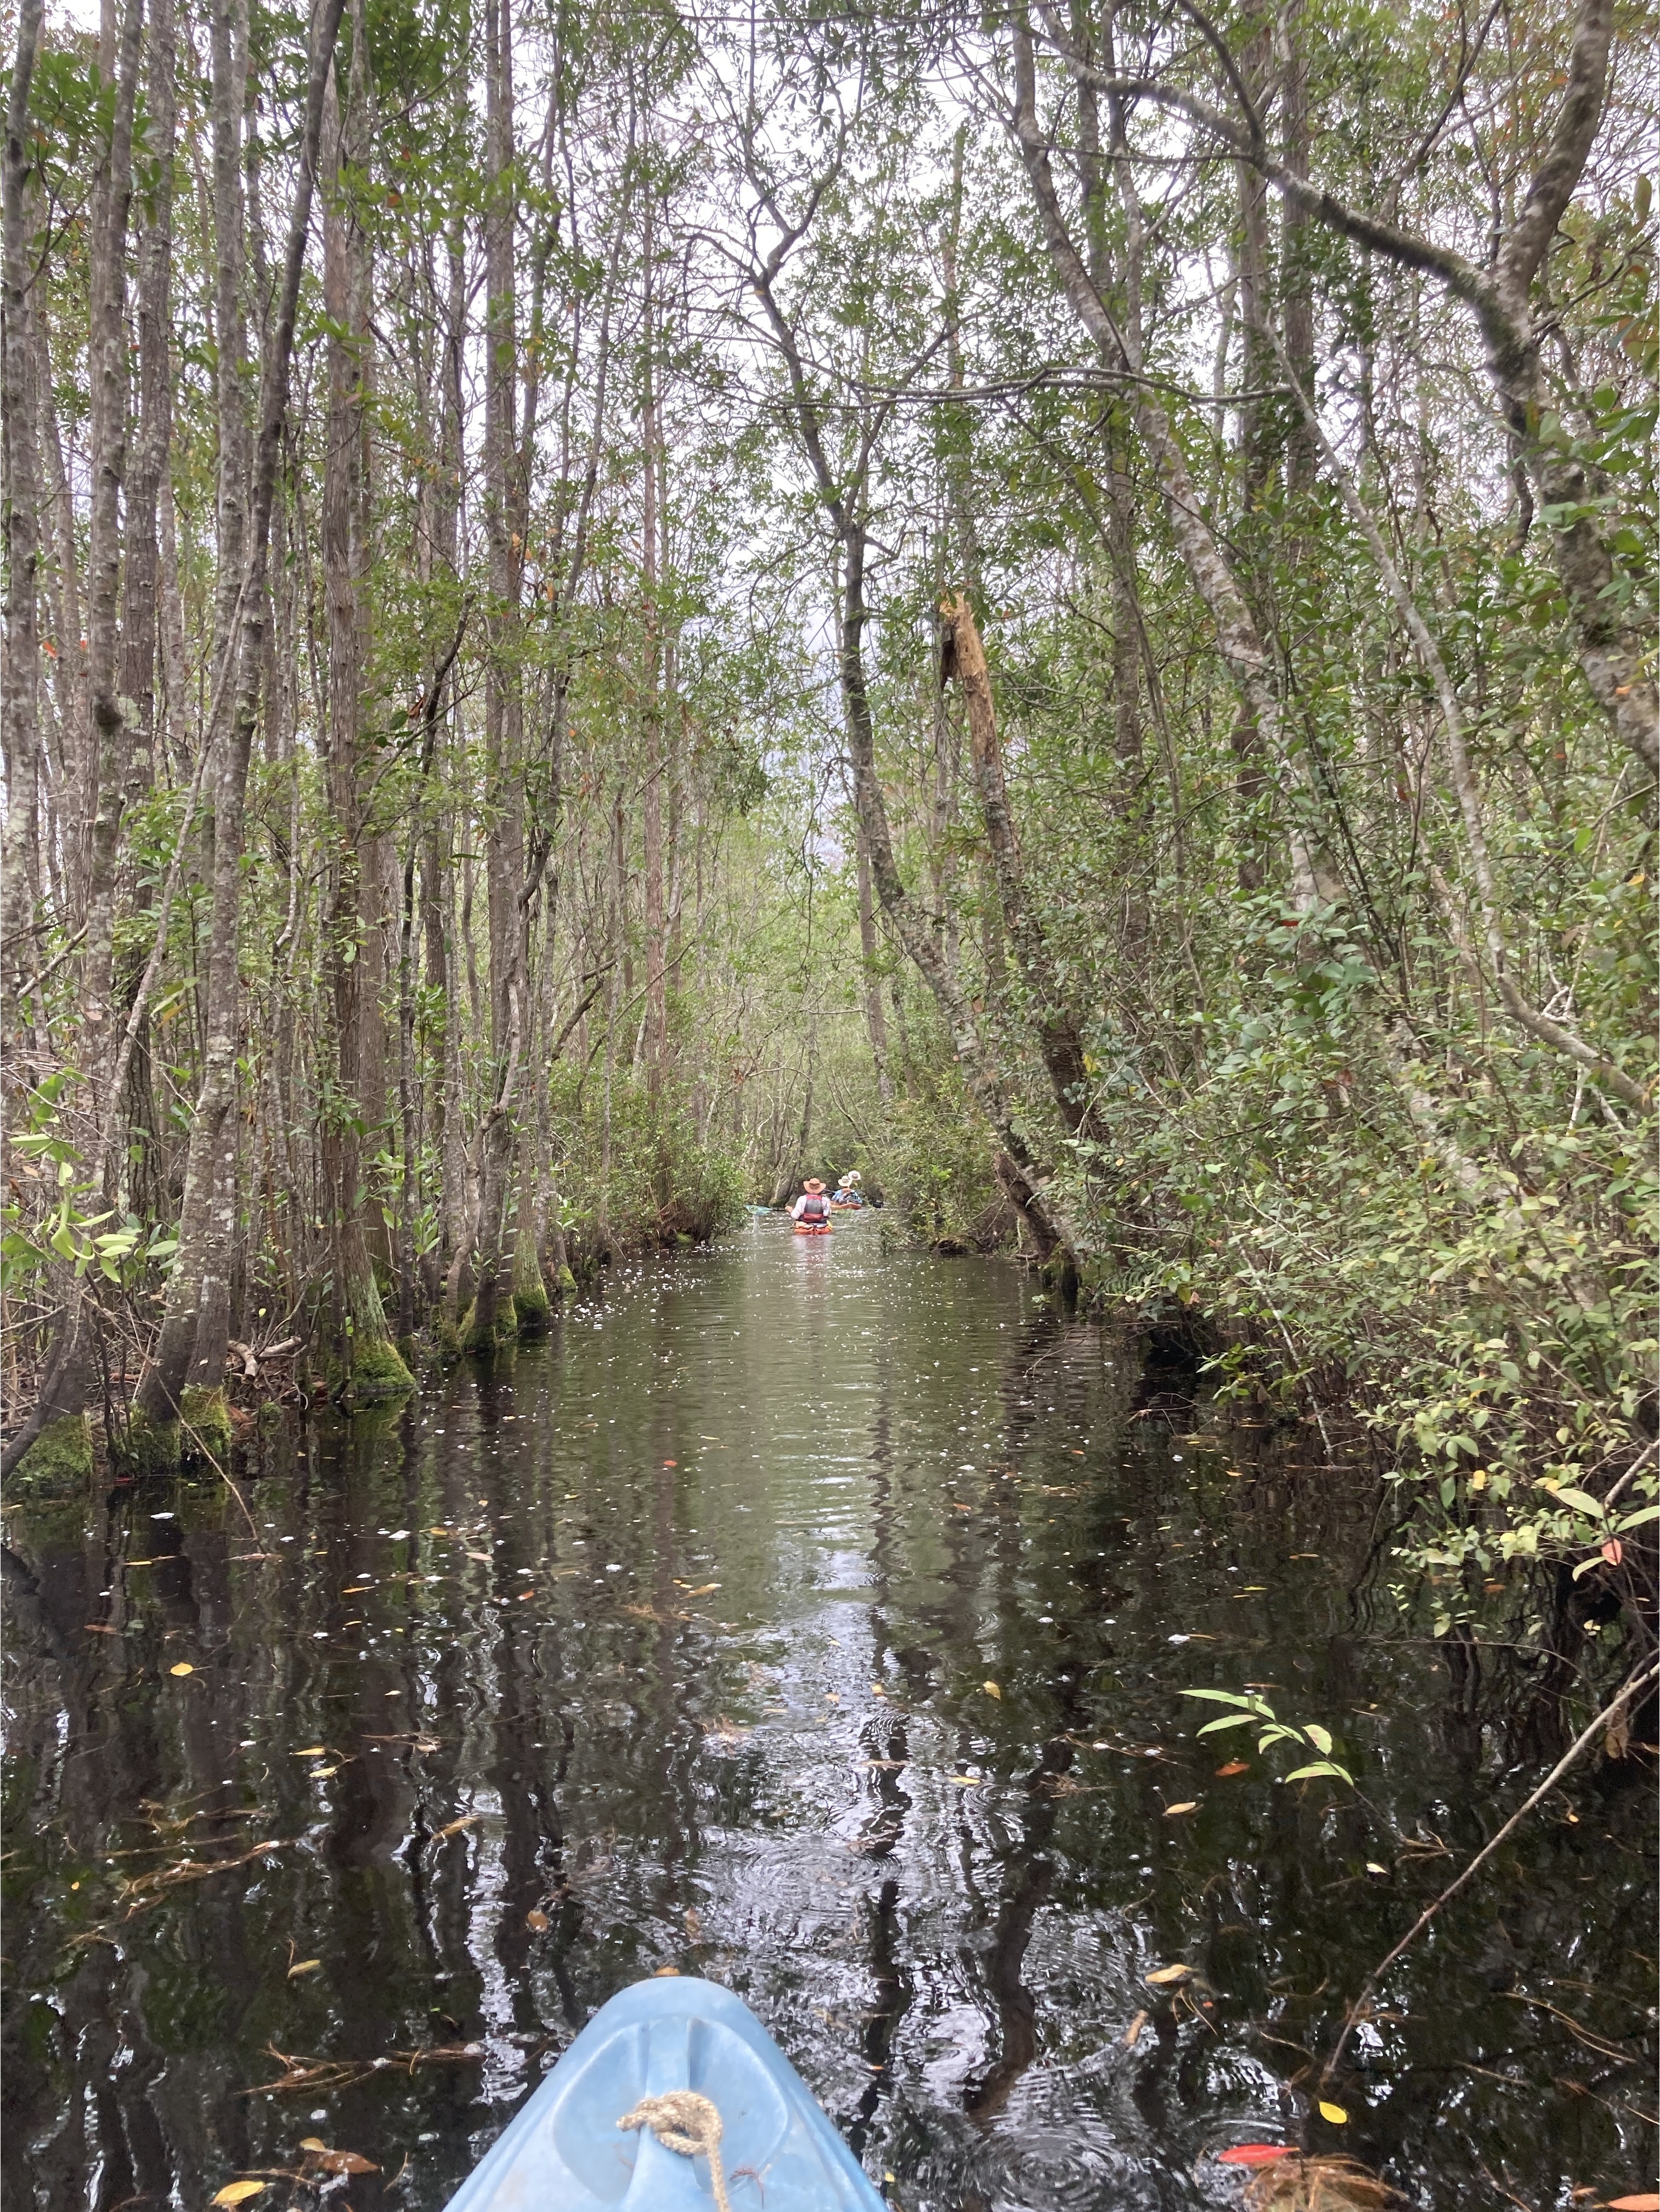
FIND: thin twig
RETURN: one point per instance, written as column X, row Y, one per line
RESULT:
column 1369, row 1987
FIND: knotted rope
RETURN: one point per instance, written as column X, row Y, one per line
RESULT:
column 683, row 2121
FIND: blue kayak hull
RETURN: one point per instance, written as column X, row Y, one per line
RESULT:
column 565, row 2153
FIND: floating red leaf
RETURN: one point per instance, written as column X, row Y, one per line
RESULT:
column 1254, row 2155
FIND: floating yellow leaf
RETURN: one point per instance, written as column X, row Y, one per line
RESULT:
column 703, row 1590
column 311, row 1751
column 1166, row 1975
column 184, row 1667
column 1134, row 2030
column 537, row 1920
column 1334, row 2113
column 1187, row 1805
column 322, row 1773
column 992, row 1691
column 238, row 2192
column 964, row 1780
column 454, row 1827
column 304, row 1967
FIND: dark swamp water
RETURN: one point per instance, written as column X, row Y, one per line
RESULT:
column 666, row 1646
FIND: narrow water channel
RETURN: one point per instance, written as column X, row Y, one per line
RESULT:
column 813, row 1617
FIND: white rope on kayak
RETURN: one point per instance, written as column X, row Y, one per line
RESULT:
column 683, row 2121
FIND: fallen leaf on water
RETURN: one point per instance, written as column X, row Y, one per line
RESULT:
column 103, row 1628
column 1236, row 1766
column 238, row 2192
column 356, row 1590
column 454, row 1827
column 1134, row 2030
column 992, row 1691
column 537, row 1920
column 1165, row 1975
column 311, row 1751
column 482, row 1558
column 184, row 1667
column 1334, row 2113
column 1187, row 1805
column 1635, row 2204
column 304, row 1967
column 336, row 2161
column 703, row 1590
column 666, row 1974
column 320, row 1773
column 1373, row 1867
column 964, row 1780
column 1254, row 2153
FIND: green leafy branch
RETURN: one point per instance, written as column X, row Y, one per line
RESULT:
column 1254, row 1710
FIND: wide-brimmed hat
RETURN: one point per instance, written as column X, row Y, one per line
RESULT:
column 812, row 1183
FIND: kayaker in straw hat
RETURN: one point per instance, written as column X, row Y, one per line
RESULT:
column 812, row 1204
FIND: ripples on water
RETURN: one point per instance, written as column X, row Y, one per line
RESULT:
column 666, row 1645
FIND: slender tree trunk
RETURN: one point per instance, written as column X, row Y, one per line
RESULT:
column 876, row 1019
column 20, row 856
column 1245, row 655
column 656, row 1026
column 108, row 364
column 155, row 1438
column 365, row 1365
column 1053, row 1023
column 491, row 1317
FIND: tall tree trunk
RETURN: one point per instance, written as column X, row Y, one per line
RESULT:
column 1245, row 655
column 491, row 1319
column 1054, row 1022
column 154, row 1436
column 107, row 367
column 135, row 1169
column 364, row 1363
column 20, row 856
column 656, row 1026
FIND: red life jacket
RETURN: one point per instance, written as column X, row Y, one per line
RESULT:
column 815, row 1208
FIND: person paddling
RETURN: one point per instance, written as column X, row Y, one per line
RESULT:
column 813, row 1206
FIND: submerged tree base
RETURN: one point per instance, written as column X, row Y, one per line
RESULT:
column 200, row 1433
column 57, row 1463
column 373, row 1371
column 478, row 1338
column 203, row 1424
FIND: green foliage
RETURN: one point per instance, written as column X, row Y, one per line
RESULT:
column 933, row 1159
column 1253, row 1709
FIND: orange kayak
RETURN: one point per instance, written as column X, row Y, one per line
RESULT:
column 812, row 1229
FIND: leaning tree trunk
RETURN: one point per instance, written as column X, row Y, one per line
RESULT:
column 1054, row 1022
